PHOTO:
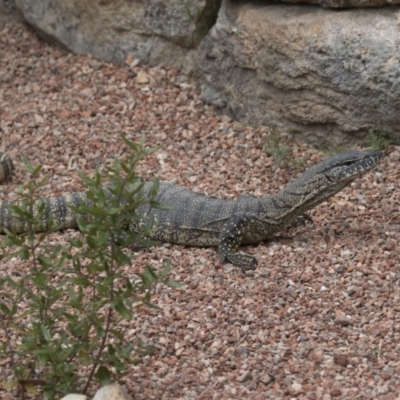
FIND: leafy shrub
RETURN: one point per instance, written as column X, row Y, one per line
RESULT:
column 76, row 295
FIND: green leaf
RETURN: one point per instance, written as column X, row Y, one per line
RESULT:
column 121, row 258
column 115, row 210
column 29, row 166
column 119, row 306
column 45, row 261
column 40, row 280
column 4, row 309
column 111, row 350
column 97, row 178
column 14, row 284
column 60, row 262
column 42, row 356
column 124, row 168
column 44, row 181
column 103, row 375
column 76, row 242
column 149, row 276
column 155, row 187
column 174, row 284
column 17, row 240
column 120, row 336
column 88, row 181
column 18, row 210
column 149, row 304
column 23, row 253
column 91, row 241
column 45, row 333
column 160, row 206
column 95, row 267
column 167, row 268
column 133, row 146
column 81, row 281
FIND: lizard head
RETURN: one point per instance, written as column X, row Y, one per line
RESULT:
column 329, row 177
column 343, row 168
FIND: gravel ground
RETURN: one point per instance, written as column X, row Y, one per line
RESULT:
column 318, row 319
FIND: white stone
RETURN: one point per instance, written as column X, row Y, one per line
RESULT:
column 74, row 397
column 111, row 392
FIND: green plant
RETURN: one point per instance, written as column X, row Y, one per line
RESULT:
column 274, row 148
column 378, row 140
column 281, row 152
column 329, row 148
column 294, row 131
column 298, row 163
column 76, row 294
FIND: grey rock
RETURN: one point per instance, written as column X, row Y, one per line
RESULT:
column 152, row 31
column 347, row 3
column 210, row 96
column 329, row 75
column 244, row 377
column 8, row 12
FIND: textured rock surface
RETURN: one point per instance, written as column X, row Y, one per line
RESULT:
column 8, row 12
column 311, row 69
column 152, row 31
column 347, row 3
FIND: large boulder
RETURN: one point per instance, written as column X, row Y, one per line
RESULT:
column 327, row 74
column 347, row 3
column 152, row 31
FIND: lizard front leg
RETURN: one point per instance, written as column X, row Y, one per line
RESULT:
column 229, row 241
column 303, row 219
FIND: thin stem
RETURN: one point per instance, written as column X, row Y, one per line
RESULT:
column 103, row 343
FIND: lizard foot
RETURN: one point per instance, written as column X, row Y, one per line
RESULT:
column 304, row 218
column 242, row 260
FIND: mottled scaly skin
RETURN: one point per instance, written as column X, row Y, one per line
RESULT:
column 197, row 220
column 6, row 167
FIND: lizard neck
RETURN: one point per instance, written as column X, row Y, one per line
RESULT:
column 298, row 197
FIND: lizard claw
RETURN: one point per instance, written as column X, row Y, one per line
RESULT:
column 244, row 261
